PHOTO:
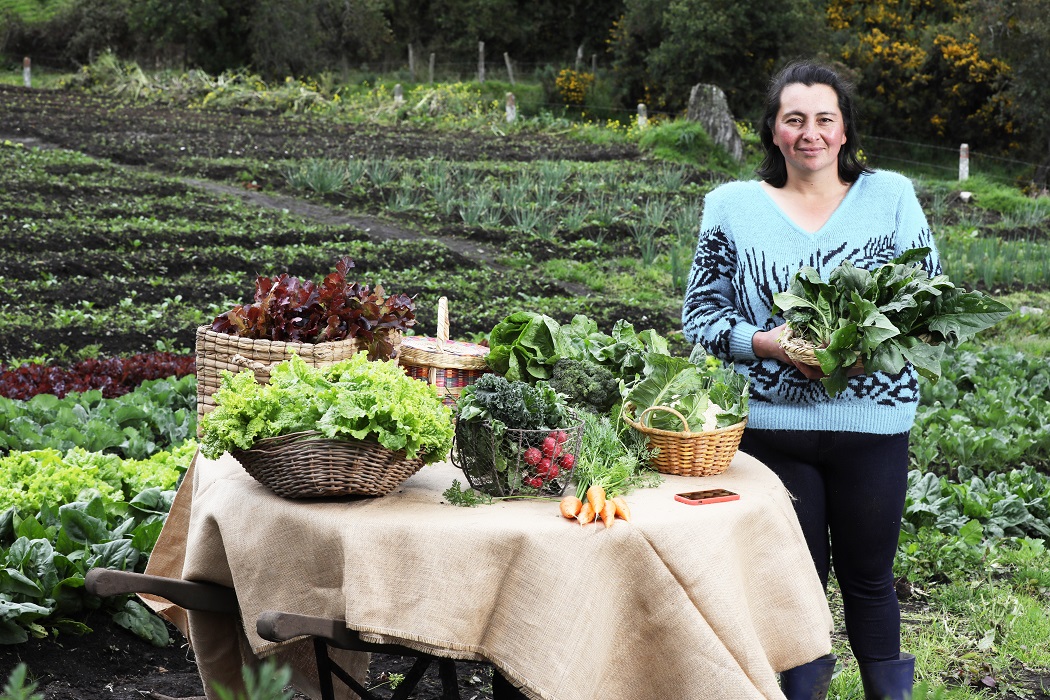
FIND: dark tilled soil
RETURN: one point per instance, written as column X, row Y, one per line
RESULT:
column 110, row 663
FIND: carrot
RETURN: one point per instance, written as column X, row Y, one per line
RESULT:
column 622, row 511
column 586, row 514
column 609, row 513
column 570, row 506
column 596, row 497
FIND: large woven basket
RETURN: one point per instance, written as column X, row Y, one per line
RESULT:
column 220, row 351
column 309, row 465
column 686, row 453
column 447, row 365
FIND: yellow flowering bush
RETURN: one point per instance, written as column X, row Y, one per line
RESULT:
column 573, row 85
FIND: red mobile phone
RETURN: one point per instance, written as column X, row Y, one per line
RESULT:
column 696, row 498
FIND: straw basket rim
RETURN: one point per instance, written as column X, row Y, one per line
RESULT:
column 439, row 351
column 307, row 464
column 673, row 433
column 703, row 453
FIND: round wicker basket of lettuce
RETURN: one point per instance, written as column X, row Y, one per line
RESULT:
column 693, row 412
column 352, row 428
column 879, row 319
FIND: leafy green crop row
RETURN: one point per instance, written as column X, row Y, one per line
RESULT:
column 990, row 412
column 61, row 515
column 31, row 480
column 159, row 414
column 44, row 558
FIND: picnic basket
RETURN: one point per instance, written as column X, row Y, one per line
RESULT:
column 308, row 465
column 447, row 365
column 686, row 453
column 220, row 351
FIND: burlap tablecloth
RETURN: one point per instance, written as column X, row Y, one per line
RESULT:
column 684, row 602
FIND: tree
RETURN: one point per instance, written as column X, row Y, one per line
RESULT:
column 213, row 33
column 734, row 45
column 1018, row 31
column 921, row 71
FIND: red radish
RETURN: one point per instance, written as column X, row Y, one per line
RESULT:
column 551, row 448
column 567, row 460
column 560, row 435
column 553, row 472
column 544, row 468
column 534, row 481
column 532, row 456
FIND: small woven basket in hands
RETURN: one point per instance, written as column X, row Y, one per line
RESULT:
column 309, row 465
column 221, row 351
column 686, row 453
column 447, row 365
column 801, row 350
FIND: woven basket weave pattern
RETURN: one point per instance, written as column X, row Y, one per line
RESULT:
column 308, row 465
column 447, row 365
column 686, row 453
column 220, row 351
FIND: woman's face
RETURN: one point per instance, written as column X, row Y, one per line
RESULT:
column 809, row 129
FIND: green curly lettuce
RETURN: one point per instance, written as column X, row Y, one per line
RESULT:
column 352, row 399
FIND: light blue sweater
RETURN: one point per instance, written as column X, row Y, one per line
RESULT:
column 749, row 250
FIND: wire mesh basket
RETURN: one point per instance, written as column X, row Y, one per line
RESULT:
column 512, row 462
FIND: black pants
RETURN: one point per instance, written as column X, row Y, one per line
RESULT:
column 850, row 486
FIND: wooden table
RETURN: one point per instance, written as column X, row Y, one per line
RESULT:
column 685, row 601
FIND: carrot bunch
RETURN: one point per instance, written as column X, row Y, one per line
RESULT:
column 596, row 506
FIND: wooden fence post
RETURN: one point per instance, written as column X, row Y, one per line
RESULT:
column 579, row 58
column 643, row 116
column 27, row 77
column 411, row 64
column 431, row 68
column 399, row 95
column 510, row 68
column 594, row 64
column 512, row 108
column 481, row 61
column 964, row 162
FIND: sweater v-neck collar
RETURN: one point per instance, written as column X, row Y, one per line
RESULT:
column 842, row 205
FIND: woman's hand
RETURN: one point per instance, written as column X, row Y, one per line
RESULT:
column 764, row 344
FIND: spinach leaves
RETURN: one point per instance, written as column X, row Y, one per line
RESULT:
column 886, row 317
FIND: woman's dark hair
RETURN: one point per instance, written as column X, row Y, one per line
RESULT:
column 773, row 168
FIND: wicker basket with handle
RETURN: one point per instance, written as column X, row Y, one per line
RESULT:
column 221, row 351
column 447, row 365
column 686, row 453
column 309, row 465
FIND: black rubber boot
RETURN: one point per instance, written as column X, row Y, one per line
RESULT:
column 888, row 680
column 809, row 681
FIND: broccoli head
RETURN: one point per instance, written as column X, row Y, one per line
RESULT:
column 586, row 385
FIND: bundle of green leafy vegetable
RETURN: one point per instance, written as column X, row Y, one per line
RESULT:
column 612, row 459
column 352, row 399
column 525, row 346
column 885, row 317
column 708, row 394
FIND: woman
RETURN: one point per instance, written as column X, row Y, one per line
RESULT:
column 844, row 459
